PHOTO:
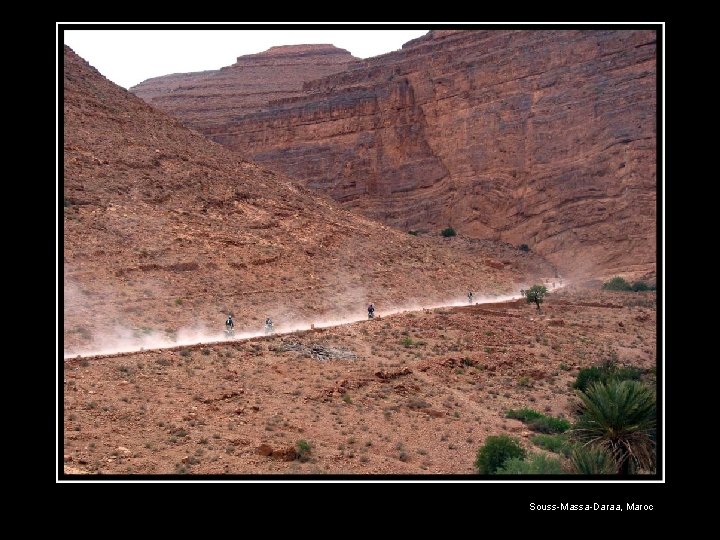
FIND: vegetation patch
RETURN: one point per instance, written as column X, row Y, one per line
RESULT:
column 536, row 464
column 620, row 284
column 557, row 444
column 496, row 451
column 608, row 370
column 538, row 421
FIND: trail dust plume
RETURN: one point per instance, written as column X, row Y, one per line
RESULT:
column 122, row 339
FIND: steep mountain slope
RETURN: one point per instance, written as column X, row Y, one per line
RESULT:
column 538, row 137
column 216, row 98
column 164, row 229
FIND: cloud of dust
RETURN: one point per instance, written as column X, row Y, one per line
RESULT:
column 123, row 339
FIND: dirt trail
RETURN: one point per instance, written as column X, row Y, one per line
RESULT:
column 162, row 342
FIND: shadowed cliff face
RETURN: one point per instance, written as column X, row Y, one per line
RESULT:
column 538, row 137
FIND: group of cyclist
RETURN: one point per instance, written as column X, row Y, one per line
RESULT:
column 269, row 328
column 230, row 325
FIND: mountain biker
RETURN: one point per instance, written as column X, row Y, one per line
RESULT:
column 371, row 311
column 229, row 324
column 470, row 297
column 268, row 325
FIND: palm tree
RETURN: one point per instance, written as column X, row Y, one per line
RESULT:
column 619, row 416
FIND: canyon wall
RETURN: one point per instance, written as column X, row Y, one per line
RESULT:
column 538, row 137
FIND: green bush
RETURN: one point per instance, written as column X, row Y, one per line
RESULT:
column 524, row 247
column 617, row 284
column 558, row 444
column 414, row 233
column 589, row 460
column 537, row 464
column 524, row 414
column 448, row 232
column 587, row 376
column 642, row 286
column 538, row 421
column 303, row 449
column 496, row 451
column 605, row 372
column 549, row 424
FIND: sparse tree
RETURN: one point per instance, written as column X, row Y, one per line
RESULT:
column 536, row 295
column 619, row 417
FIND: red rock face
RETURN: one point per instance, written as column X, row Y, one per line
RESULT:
column 215, row 98
column 545, row 138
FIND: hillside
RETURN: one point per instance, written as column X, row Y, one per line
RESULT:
column 545, row 138
column 166, row 231
column 414, row 393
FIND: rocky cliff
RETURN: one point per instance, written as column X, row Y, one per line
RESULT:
column 215, row 98
column 545, row 138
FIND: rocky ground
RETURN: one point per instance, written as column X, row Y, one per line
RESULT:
column 410, row 393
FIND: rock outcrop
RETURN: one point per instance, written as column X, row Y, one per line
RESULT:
column 215, row 98
column 545, row 138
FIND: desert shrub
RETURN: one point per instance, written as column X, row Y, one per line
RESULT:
column 524, row 247
column 496, row 451
column 589, row 460
column 617, row 284
column 414, row 233
column 303, row 449
column 639, row 286
column 587, row 376
column 524, row 414
column 448, row 232
column 538, row 421
column 549, row 424
column 605, row 372
column 558, row 444
column 536, row 464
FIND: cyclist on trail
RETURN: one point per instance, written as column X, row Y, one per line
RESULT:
column 229, row 324
column 470, row 297
column 268, row 325
column 371, row 311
